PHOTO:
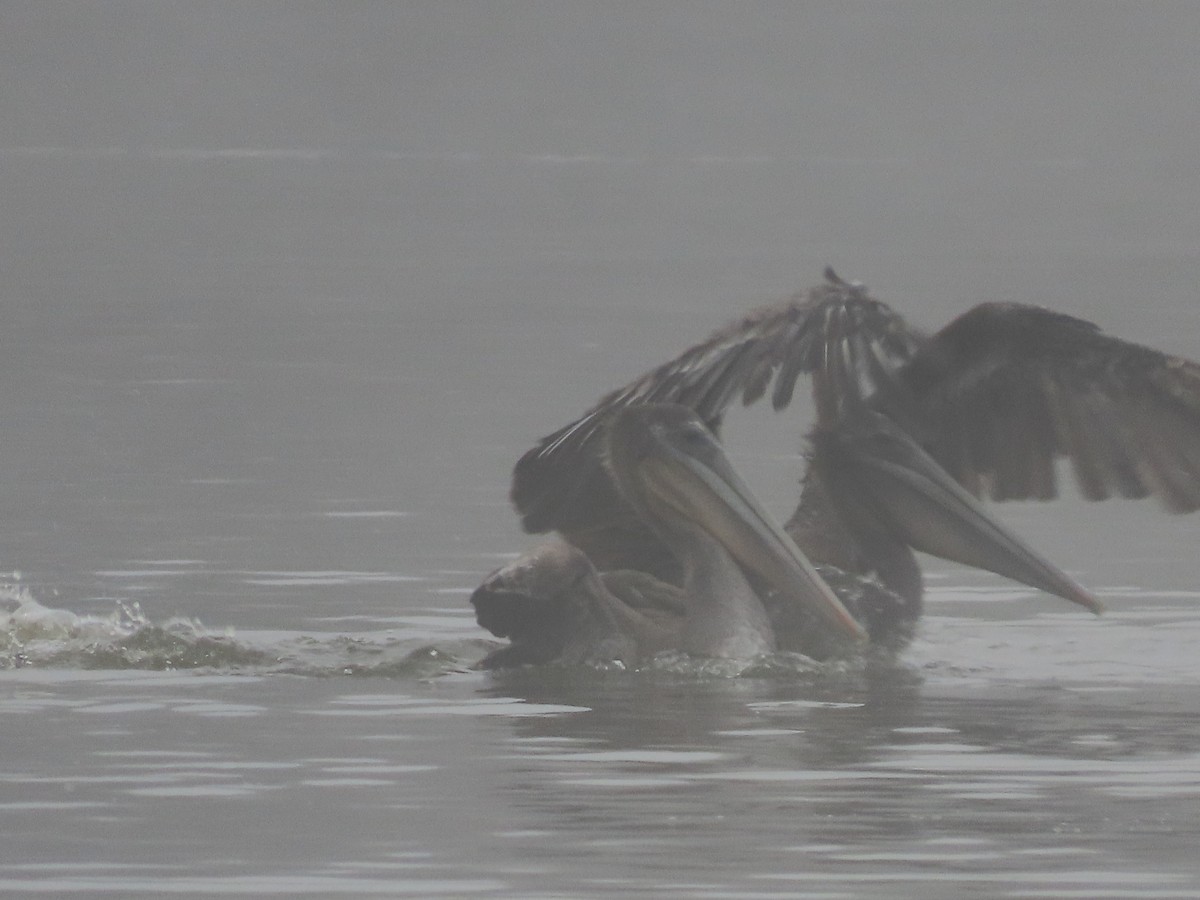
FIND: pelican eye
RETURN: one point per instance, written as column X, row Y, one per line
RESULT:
column 694, row 436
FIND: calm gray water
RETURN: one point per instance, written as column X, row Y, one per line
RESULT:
column 286, row 290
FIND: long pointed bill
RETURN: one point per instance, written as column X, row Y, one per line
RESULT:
column 888, row 473
column 712, row 494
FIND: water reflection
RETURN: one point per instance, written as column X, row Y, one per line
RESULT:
column 859, row 783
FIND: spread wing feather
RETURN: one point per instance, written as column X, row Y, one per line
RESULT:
column 837, row 333
column 996, row 397
column 1005, row 389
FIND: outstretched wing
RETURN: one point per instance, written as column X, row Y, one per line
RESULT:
column 996, row 397
column 1004, row 390
column 846, row 340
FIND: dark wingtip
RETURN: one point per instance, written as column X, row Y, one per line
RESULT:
column 832, row 277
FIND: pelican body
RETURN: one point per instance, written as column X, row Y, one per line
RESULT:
column 674, row 474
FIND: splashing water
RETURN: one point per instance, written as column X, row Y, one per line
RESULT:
column 33, row 635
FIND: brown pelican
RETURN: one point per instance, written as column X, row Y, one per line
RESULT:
column 910, row 429
column 673, row 473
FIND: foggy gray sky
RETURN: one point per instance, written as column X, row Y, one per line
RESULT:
column 1001, row 81
column 722, row 150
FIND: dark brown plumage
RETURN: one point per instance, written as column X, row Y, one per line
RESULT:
column 995, row 397
column 1003, row 390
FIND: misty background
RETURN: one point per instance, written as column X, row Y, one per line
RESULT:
column 290, row 286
